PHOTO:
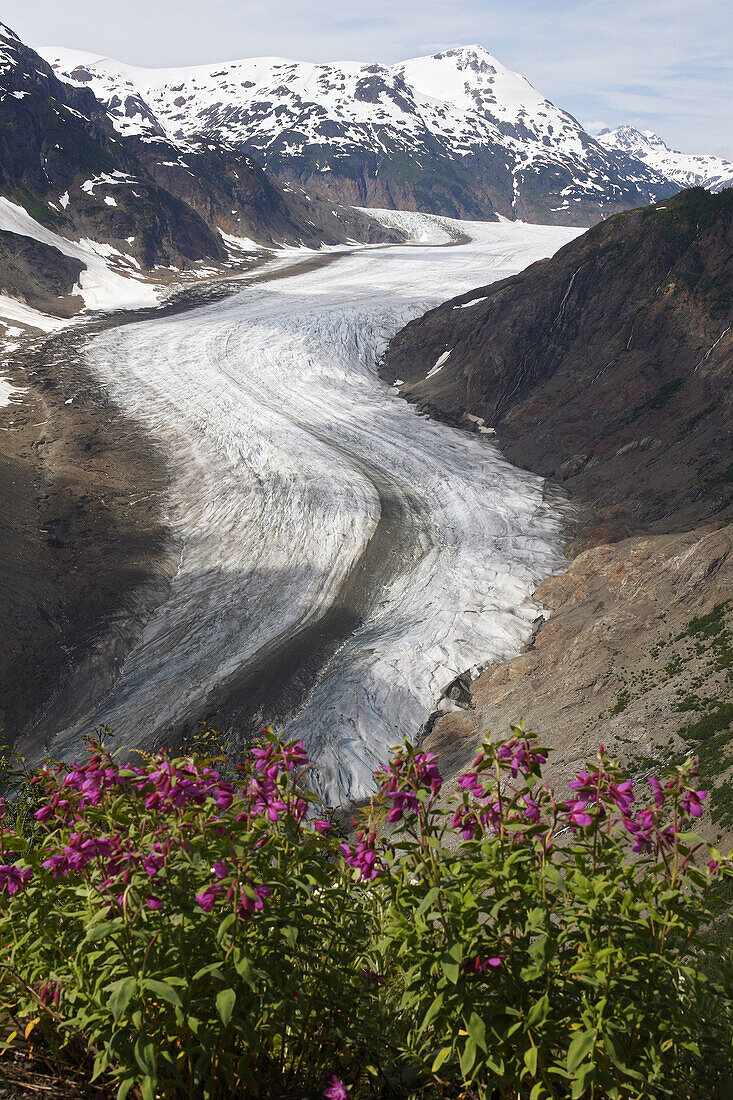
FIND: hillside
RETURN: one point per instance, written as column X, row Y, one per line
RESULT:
column 607, row 369
column 613, row 356
column 456, row 134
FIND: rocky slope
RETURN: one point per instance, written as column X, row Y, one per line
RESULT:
column 684, row 169
column 607, row 369
column 637, row 654
column 612, row 358
column 60, row 162
column 455, row 134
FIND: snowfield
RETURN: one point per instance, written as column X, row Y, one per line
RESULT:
column 290, row 457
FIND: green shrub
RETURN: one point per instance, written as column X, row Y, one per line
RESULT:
column 187, row 930
column 197, row 931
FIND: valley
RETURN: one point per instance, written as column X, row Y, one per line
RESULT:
column 287, row 459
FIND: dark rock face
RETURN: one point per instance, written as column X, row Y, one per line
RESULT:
column 36, row 273
column 55, row 139
column 606, row 368
column 229, row 190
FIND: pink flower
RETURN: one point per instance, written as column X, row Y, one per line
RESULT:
column 470, row 782
column 623, row 795
column 12, row 879
column 336, row 1090
column 247, row 905
column 404, row 777
column 363, row 856
column 657, row 789
column 154, row 903
column 373, row 977
column 322, row 826
column 692, row 802
column 153, row 864
column 481, row 965
column 532, row 812
column 578, row 814
column 207, row 898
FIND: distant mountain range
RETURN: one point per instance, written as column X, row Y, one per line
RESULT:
column 111, row 175
column 455, row 134
column 684, row 169
column 129, row 205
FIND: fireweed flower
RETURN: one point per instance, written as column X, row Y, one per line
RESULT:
column 403, row 777
column 336, row 1090
column 622, row 794
column 13, row 879
column 483, row 965
column 362, row 856
column 153, row 864
column 247, row 905
column 578, row 815
column 519, row 758
column 471, row 782
column 532, row 811
column 373, row 977
column 207, row 898
column 692, row 802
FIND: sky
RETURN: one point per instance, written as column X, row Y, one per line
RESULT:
column 664, row 65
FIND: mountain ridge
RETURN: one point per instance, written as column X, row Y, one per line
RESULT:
column 455, row 133
column 135, row 210
column 686, row 169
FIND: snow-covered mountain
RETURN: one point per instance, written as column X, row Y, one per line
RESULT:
column 684, row 169
column 456, row 133
column 90, row 212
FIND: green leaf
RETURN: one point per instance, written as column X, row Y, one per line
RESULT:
column 432, row 1012
column 585, row 1075
column 145, row 1056
column 468, row 1057
column 530, row 1060
column 101, row 1063
column 580, row 1047
column 225, row 925
column 162, row 989
column 477, row 1030
column 120, row 995
column 538, row 1012
column 440, row 1058
column 244, row 968
column 225, row 1001
column 451, row 970
column 104, row 928
column 148, row 1088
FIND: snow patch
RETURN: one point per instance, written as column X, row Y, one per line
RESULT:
column 439, row 365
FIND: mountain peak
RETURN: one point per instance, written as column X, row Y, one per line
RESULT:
column 685, row 169
column 455, row 132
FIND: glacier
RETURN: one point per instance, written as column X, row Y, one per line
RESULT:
column 288, row 455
